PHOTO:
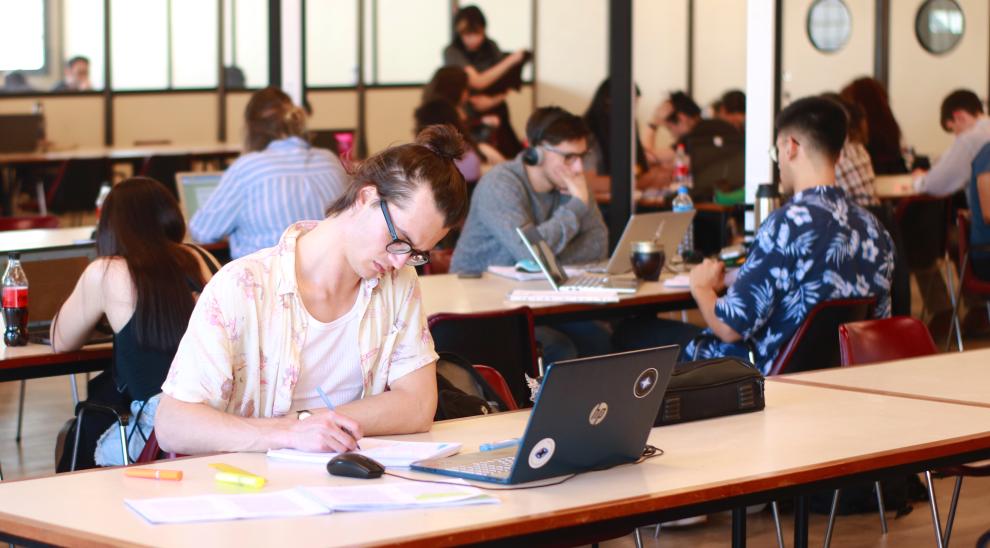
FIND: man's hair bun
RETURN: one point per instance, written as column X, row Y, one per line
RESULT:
column 444, row 140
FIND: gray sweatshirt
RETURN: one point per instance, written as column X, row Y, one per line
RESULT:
column 503, row 200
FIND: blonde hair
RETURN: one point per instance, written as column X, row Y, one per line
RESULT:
column 269, row 116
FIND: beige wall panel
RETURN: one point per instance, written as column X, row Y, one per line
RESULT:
column 182, row 118
column 719, row 48
column 920, row 80
column 659, row 54
column 808, row 71
column 334, row 109
column 520, row 107
column 572, row 51
column 390, row 116
column 70, row 122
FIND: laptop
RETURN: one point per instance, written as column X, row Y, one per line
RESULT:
column 666, row 227
column 20, row 132
column 195, row 188
column 717, row 162
column 590, row 413
column 556, row 275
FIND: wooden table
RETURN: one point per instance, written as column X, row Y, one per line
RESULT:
column 892, row 187
column 46, row 239
column 448, row 293
column 808, row 438
column 961, row 378
column 116, row 154
column 34, row 361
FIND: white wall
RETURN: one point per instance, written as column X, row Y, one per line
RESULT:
column 808, row 71
column 719, row 48
column 919, row 80
column 572, row 51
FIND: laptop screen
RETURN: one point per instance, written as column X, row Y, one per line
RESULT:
column 195, row 189
column 543, row 254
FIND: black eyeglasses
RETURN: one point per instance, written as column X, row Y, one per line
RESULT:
column 569, row 157
column 398, row 246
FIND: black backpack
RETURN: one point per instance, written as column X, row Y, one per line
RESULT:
column 461, row 391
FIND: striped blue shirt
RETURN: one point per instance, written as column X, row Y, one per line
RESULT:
column 262, row 193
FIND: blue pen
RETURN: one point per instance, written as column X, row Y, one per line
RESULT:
column 492, row 446
column 329, row 404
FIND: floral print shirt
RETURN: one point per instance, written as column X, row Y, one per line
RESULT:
column 241, row 351
column 818, row 246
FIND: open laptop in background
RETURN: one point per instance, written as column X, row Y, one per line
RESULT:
column 556, row 275
column 195, row 188
column 667, row 227
column 590, row 413
column 717, row 162
column 20, row 132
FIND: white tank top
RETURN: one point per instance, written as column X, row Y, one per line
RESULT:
column 330, row 359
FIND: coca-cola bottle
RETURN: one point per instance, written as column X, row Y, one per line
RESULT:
column 15, row 302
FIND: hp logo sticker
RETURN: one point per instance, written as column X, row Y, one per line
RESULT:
column 598, row 413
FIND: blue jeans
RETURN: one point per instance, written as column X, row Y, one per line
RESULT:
column 649, row 331
column 569, row 340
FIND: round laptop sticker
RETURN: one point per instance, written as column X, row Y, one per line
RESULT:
column 645, row 383
column 541, row 453
column 598, row 413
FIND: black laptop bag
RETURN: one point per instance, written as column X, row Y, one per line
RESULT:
column 711, row 388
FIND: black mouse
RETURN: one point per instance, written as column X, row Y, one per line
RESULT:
column 355, row 465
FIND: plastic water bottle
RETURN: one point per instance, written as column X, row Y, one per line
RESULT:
column 15, row 302
column 682, row 202
column 682, row 167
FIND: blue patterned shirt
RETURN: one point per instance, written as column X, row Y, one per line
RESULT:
column 263, row 193
column 818, row 246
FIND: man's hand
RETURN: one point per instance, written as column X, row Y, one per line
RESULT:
column 710, row 274
column 324, row 431
column 573, row 183
column 517, row 56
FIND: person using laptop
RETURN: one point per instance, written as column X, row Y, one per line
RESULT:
column 145, row 281
column 817, row 247
column 280, row 180
column 545, row 187
column 681, row 116
column 334, row 307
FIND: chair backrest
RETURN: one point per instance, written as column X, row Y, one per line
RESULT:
column 504, row 340
column 77, row 185
column 886, row 339
column 152, row 451
column 969, row 281
column 923, row 222
column 33, row 221
column 498, row 384
column 815, row 345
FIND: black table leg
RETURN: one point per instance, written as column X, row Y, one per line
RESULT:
column 801, row 522
column 739, row 527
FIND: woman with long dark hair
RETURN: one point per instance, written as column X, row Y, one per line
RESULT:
column 486, row 65
column 144, row 281
column 280, row 180
column 883, row 132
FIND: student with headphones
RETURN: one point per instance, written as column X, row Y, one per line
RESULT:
column 544, row 186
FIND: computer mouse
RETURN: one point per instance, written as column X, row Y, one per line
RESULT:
column 527, row 265
column 355, row 465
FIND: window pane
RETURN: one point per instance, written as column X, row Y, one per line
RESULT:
column 245, row 52
column 510, row 24
column 22, row 35
column 139, row 45
column 411, row 38
column 194, row 44
column 331, row 43
column 82, row 23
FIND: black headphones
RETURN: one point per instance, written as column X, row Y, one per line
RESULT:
column 533, row 154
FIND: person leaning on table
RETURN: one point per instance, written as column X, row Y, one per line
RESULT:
column 333, row 305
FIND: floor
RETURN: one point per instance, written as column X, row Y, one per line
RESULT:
column 49, row 405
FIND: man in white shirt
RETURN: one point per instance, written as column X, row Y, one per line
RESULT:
column 962, row 115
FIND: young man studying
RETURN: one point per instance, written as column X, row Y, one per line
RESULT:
column 818, row 246
column 334, row 307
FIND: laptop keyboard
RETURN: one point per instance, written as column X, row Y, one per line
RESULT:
column 494, row 468
column 587, row 281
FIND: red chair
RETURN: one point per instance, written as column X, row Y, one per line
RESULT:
column 815, row 344
column 894, row 339
column 439, row 261
column 503, row 340
column 152, row 451
column 498, row 384
column 968, row 281
column 27, row 222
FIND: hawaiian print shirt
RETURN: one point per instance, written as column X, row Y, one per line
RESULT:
column 241, row 352
column 818, row 246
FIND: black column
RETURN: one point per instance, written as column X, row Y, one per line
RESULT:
column 221, row 78
column 690, row 48
column 621, row 124
column 361, row 146
column 107, row 82
column 881, row 43
column 778, row 55
column 275, row 43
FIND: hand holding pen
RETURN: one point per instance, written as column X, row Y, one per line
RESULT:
column 330, row 406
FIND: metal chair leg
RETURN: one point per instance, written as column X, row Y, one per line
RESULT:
column 880, row 507
column 656, row 532
column 75, row 443
column 776, row 523
column 955, row 297
column 20, row 412
column 933, row 505
column 75, row 389
column 952, row 510
column 831, row 518
column 638, row 538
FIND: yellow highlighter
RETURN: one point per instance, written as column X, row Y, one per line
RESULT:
column 232, row 474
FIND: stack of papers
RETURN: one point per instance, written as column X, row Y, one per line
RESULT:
column 390, row 453
column 308, row 501
column 551, row 296
column 514, row 273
